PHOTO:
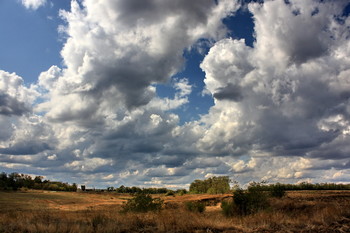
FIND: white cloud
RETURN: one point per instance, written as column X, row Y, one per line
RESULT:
column 89, row 164
column 33, row 4
column 183, row 87
column 280, row 97
column 52, row 157
column 103, row 101
column 22, row 132
column 30, row 135
column 48, row 79
column 15, row 98
column 108, row 177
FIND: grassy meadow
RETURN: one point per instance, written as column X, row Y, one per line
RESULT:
column 47, row 211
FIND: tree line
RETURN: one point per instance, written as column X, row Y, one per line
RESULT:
column 212, row 185
column 221, row 184
column 15, row 181
column 133, row 190
column 303, row 186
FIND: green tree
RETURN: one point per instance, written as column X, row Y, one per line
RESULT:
column 213, row 185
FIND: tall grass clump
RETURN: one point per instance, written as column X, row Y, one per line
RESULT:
column 228, row 208
column 142, row 202
column 98, row 221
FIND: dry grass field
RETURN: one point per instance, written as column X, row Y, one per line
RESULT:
column 43, row 211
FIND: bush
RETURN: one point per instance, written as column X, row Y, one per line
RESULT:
column 251, row 201
column 142, row 202
column 181, row 192
column 246, row 202
column 195, row 206
column 278, row 191
column 170, row 193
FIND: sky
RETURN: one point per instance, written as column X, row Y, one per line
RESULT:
column 159, row 93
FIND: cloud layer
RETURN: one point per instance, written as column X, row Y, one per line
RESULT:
column 98, row 119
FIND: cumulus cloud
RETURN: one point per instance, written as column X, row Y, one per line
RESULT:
column 29, row 135
column 278, row 96
column 102, row 103
column 16, row 102
column 33, row 4
column 15, row 98
column 47, row 79
column 10, row 106
column 117, row 50
column 22, row 132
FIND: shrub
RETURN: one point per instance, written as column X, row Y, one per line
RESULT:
column 181, row 192
column 142, row 202
column 278, row 191
column 170, row 193
column 246, row 202
column 251, row 201
column 195, row 206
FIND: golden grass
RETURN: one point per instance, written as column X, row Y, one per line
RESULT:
column 80, row 212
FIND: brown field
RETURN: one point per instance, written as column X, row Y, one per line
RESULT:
column 43, row 211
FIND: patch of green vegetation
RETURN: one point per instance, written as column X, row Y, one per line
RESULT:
column 213, row 185
column 142, row 202
column 195, row 206
column 181, row 192
column 277, row 191
column 170, row 193
column 246, row 202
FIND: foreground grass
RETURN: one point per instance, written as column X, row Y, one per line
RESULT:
column 49, row 212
